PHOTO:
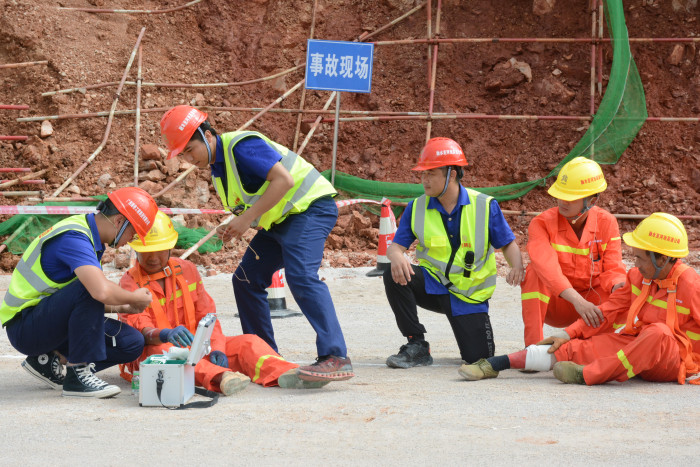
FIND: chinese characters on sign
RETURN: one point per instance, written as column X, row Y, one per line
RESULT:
column 339, row 66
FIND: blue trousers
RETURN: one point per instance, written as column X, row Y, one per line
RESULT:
column 296, row 244
column 73, row 323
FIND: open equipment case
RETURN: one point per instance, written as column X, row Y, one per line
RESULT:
column 168, row 380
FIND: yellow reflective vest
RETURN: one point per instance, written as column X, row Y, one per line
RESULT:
column 309, row 184
column 472, row 281
column 29, row 284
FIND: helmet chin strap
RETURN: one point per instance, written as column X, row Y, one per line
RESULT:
column 206, row 143
column 120, row 233
column 657, row 268
column 447, row 181
column 586, row 207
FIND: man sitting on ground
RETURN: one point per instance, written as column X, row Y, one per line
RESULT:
column 179, row 303
column 660, row 306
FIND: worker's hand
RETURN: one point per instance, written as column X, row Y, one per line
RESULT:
column 234, row 229
column 515, row 276
column 401, row 270
column 180, row 336
column 617, row 286
column 590, row 313
column 553, row 342
column 219, row 358
column 141, row 298
column 129, row 310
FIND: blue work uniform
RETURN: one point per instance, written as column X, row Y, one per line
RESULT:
column 70, row 320
column 295, row 244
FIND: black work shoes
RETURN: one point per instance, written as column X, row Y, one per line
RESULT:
column 47, row 368
column 415, row 353
column 81, row 382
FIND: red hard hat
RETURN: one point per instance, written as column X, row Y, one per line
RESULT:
column 440, row 152
column 137, row 206
column 178, row 125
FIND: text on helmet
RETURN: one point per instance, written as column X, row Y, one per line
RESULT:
column 668, row 238
column 187, row 119
column 445, row 152
column 585, row 181
column 138, row 212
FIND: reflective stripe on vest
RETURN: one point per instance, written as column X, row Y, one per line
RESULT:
column 309, row 184
column 29, row 283
column 473, row 231
column 661, row 303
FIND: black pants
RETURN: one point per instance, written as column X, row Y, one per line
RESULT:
column 473, row 331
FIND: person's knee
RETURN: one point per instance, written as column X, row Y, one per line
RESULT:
column 132, row 345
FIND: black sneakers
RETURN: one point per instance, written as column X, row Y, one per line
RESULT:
column 415, row 353
column 47, row 368
column 81, row 382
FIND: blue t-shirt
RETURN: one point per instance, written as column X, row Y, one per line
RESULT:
column 62, row 254
column 500, row 235
column 254, row 159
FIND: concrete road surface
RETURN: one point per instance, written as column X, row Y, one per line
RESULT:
column 383, row 416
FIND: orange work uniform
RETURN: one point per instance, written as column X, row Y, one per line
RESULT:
column 559, row 260
column 247, row 353
column 654, row 353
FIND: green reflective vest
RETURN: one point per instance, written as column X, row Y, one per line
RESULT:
column 29, row 284
column 309, row 184
column 435, row 254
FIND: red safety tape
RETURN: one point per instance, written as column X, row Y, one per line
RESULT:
column 72, row 210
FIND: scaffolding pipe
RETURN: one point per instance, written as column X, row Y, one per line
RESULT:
column 303, row 91
column 600, row 47
column 203, row 240
column 138, row 120
column 496, row 40
column 429, row 34
column 10, row 194
column 109, row 121
column 22, row 179
column 120, row 113
column 26, row 182
column 174, row 85
column 13, row 107
column 276, row 101
column 593, row 59
column 433, row 75
column 364, row 38
column 23, row 64
column 18, row 231
column 13, row 138
column 316, row 122
column 146, row 12
column 617, row 216
column 459, row 117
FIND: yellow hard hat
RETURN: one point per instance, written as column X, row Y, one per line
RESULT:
column 162, row 236
column 661, row 233
column 579, row 178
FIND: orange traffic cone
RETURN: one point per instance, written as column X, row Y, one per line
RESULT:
column 277, row 299
column 387, row 229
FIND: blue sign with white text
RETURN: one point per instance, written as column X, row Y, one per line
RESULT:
column 339, row 66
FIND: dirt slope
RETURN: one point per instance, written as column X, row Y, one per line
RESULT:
column 222, row 41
